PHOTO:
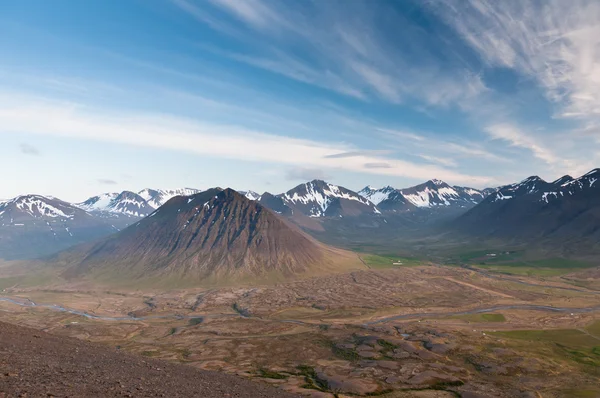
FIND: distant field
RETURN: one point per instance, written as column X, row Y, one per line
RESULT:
column 594, row 329
column 572, row 344
column 549, row 267
column 389, row 261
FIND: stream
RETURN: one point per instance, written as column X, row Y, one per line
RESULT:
column 530, row 307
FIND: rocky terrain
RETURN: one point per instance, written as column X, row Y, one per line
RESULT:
column 38, row 364
column 403, row 331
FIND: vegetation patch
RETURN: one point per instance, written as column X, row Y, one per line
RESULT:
column 568, row 337
column 195, row 321
column 379, row 393
column 581, row 393
column 269, row 374
column 389, row 261
column 349, row 354
column 243, row 312
column 313, row 381
column 443, row 385
column 594, row 329
column 387, row 346
column 547, row 267
column 570, row 344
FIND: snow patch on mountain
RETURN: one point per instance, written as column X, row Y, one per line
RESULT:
column 316, row 197
column 251, row 195
column 158, row 197
column 376, row 196
column 435, row 193
column 36, row 206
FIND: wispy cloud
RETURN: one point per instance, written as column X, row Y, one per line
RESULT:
column 29, row 149
column 378, row 165
column 556, row 43
column 439, row 160
column 341, row 46
column 517, row 138
column 439, row 150
column 402, row 134
column 106, row 181
column 180, row 134
column 305, row 174
column 353, row 154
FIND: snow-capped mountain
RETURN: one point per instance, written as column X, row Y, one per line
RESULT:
column 158, row 197
column 250, row 195
column 101, row 202
column 320, row 199
column 534, row 209
column 377, row 195
column 31, row 207
column 569, row 186
column 530, row 185
column 387, row 199
column 126, row 203
column 563, row 180
column 435, row 193
column 34, row 225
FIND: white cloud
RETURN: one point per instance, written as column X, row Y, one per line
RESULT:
column 402, row 134
column 383, row 84
column 439, row 160
column 517, row 138
column 555, row 42
column 26, row 115
column 439, row 149
column 253, row 12
column 343, row 48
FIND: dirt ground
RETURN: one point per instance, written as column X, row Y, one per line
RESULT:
column 37, row 364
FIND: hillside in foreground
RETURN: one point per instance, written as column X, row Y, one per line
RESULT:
column 35, row 364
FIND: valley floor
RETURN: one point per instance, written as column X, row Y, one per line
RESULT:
column 418, row 331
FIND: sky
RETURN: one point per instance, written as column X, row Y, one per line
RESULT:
column 111, row 95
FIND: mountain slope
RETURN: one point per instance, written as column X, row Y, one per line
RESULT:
column 35, row 225
column 213, row 235
column 560, row 213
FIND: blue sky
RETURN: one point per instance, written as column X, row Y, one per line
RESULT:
column 109, row 95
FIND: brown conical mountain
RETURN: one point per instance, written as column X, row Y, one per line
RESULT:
column 210, row 236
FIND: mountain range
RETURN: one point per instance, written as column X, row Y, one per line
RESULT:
column 533, row 209
column 314, row 206
column 430, row 194
column 132, row 204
